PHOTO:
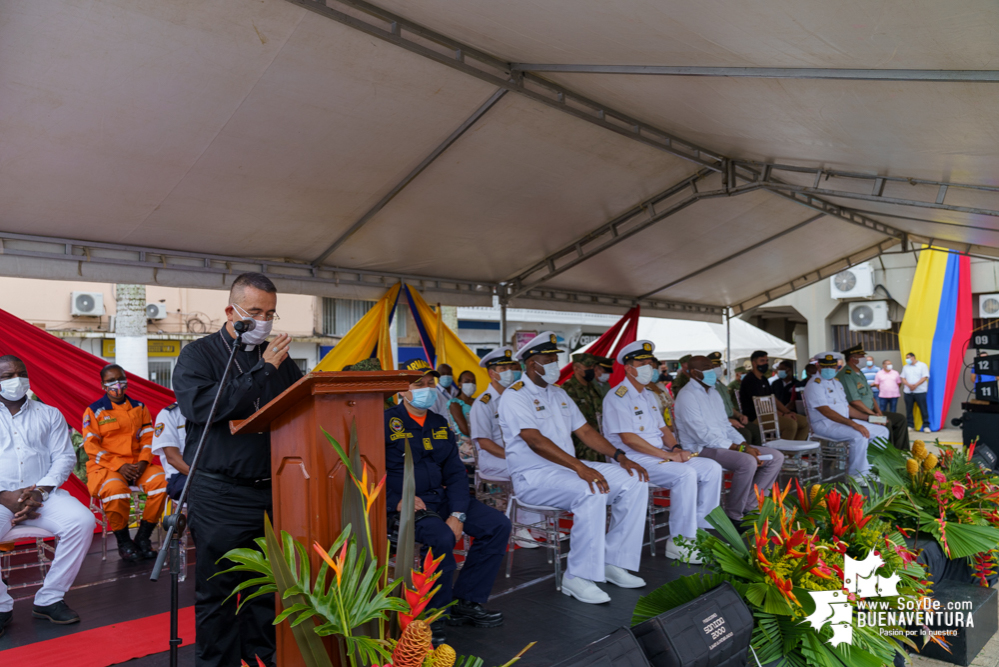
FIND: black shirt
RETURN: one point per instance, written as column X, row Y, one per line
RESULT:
column 252, row 384
column 752, row 386
column 785, row 392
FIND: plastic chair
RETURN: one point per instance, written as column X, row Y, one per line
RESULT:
column 134, row 515
column 801, row 457
column 549, row 524
column 42, row 551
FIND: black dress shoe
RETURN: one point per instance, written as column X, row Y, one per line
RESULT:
column 5, row 618
column 473, row 613
column 143, row 543
column 57, row 612
column 437, row 633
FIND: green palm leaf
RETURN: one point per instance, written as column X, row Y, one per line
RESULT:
column 673, row 594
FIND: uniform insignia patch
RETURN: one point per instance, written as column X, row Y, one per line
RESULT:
column 621, row 391
column 441, row 433
column 159, row 429
column 860, row 385
column 553, row 339
column 400, row 436
column 395, row 424
column 518, row 385
column 848, row 371
column 646, row 347
column 818, row 380
column 485, row 398
column 86, row 422
column 427, row 445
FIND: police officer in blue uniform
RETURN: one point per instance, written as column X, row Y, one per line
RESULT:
column 445, row 509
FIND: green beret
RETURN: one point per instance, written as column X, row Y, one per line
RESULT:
column 685, row 358
column 370, row 364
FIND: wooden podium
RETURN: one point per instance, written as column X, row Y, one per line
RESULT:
column 307, row 475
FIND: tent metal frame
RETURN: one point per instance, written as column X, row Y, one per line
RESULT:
column 521, row 78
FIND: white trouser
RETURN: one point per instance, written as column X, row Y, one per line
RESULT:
column 592, row 545
column 694, row 490
column 68, row 519
column 858, row 465
column 494, row 470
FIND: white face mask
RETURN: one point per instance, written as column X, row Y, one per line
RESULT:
column 261, row 330
column 644, row 375
column 550, row 372
column 507, row 378
column 14, row 389
column 468, row 388
column 887, row 367
column 603, row 379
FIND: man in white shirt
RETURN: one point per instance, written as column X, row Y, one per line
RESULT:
column 829, row 415
column 36, row 458
column 503, row 371
column 168, row 444
column 915, row 383
column 445, row 390
column 633, row 422
column 538, row 419
column 704, row 429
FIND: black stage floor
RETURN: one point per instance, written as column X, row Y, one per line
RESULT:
column 113, row 592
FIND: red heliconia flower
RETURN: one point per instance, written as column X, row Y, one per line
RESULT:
column 855, row 511
column 939, row 476
column 803, row 498
column 423, row 589
column 971, row 448
column 834, row 501
column 958, row 491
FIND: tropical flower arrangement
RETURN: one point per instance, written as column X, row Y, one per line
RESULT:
column 796, row 544
column 376, row 621
column 950, row 497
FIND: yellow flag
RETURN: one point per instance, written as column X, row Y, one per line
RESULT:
column 360, row 341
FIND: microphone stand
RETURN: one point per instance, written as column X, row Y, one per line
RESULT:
column 176, row 523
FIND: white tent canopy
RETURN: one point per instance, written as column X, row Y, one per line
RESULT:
column 572, row 154
column 676, row 338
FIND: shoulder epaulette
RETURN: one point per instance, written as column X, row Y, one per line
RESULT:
column 818, row 380
column 485, row 398
column 518, row 385
column 848, row 371
column 621, row 391
column 172, row 406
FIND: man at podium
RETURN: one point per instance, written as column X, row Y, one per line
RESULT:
column 445, row 509
column 231, row 489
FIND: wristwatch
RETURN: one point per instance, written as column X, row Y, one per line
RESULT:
column 617, row 453
column 460, row 516
column 45, row 494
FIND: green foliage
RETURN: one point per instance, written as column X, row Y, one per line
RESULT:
column 673, row 594
column 406, row 546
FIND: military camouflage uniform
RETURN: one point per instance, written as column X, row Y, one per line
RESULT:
column 856, row 388
column 590, row 403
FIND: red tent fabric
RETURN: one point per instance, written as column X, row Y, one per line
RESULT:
column 623, row 332
column 65, row 376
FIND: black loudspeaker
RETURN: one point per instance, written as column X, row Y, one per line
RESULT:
column 987, row 391
column 713, row 630
column 981, row 425
column 986, row 339
column 985, row 456
column 620, row 649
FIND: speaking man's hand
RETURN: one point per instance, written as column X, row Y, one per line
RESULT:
column 277, row 351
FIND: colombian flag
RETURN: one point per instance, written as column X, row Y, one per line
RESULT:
column 937, row 326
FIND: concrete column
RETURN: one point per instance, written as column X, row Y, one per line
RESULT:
column 131, row 348
column 450, row 316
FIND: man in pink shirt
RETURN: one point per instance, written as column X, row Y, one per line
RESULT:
column 887, row 381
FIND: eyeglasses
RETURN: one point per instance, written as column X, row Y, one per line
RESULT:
column 263, row 317
column 117, row 384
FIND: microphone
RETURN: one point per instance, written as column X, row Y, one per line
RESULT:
column 244, row 325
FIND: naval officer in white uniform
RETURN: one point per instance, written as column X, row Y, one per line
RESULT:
column 538, row 419
column 829, row 415
column 503, row 371
column 633, row 422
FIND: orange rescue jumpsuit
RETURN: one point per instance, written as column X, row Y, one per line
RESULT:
column 113, row 435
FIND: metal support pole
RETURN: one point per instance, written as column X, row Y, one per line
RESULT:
column 503, row 340
column 728, row 344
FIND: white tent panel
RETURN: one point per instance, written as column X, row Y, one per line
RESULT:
column 523, row 182
column 676, row 338
column 105, row 105
column 942, row 131
column 316, row 144
column 777, row 33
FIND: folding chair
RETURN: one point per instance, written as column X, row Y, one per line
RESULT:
column 134, row 516
column 801, row 457
column 656, row 493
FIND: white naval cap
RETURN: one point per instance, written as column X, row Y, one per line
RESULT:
column 640, row 349
column 828, row 359
column 501, row 355
column 545, row 342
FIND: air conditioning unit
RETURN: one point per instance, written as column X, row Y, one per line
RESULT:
column 86, row 304
column 857, row 282
column 869, row 316
column 156, row 311
column 988, row 305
